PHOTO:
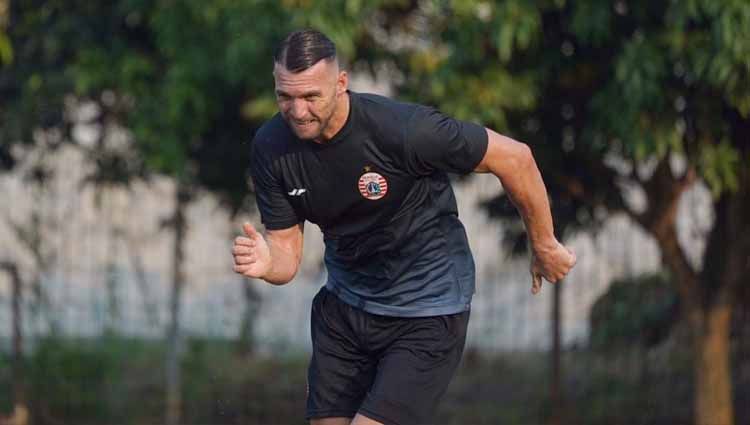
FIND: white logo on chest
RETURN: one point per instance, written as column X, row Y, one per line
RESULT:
column 297, row 192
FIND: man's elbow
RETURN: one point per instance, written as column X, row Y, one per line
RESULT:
column 506, row 156
column 281, row 278
column 525, row 157
column 279, row 281
column 517, row 159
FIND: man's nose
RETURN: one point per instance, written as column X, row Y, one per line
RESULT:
column 298, row 109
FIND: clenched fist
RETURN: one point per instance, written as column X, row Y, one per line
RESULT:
column 252, row 258
column 551, row 262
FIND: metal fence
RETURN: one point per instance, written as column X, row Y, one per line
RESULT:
column 97, row 260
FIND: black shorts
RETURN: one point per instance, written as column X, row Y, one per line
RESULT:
column 390, row 369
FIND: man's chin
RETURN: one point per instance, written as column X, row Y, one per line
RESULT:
column 312, row 131
column 307, row 135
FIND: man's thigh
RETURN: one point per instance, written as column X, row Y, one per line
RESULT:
column 415, row 370
column 341, row 371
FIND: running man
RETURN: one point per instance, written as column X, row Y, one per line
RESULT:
column 389, row 326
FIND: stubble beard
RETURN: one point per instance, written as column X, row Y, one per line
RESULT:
column 322, row 126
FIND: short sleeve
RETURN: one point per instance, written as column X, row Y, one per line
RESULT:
column 435, row 141
column 275, row 210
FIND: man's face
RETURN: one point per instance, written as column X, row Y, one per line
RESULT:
column 307, row 100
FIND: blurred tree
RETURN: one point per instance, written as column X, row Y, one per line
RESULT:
column 188, row 80
column 246, row 341
column 616, row 97
column 6, row 59
column 607, row 94
column 639, row 311
column 28, row 286
column 479, row 61
column 19, row 415
column 10, row 267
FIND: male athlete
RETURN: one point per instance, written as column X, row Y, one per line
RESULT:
column 389, row 326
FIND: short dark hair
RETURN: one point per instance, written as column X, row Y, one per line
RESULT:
column 302, row 49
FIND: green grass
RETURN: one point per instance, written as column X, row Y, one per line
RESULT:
column 112, row 380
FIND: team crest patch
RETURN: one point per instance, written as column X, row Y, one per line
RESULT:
column 373, row 186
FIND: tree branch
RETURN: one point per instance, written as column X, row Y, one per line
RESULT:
column 663, row 192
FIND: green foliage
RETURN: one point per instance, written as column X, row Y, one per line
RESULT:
column 637, row 311
column 643, row 78
column 73, row 378
column 6, row 50
column 117, row 381
column 591, row 21
column 723, row 53
column 183, row 75
column 719, row 163
column 6, row 397
column 192, row 78
column 518, row 27
column 597, row 81
column 463, row 65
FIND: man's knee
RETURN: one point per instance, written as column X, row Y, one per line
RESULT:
column 358, row 420
column 331, row 421
column 364, row 420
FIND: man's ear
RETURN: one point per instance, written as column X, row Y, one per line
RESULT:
column 342, row 84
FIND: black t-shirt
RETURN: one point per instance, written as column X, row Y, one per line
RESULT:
column 380, row 193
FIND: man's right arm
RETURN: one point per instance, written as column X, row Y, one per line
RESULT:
column 438, row 142
column 274, row 257
column 513, row 163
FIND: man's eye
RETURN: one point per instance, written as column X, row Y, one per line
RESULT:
column 312, row 98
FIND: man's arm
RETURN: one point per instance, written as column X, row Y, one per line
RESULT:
column 513, row 163
column 274, row 258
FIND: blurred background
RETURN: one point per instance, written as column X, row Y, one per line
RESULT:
column 124, row 143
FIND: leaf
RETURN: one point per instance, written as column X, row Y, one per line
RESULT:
column 6, row 50
column 719, row 165
column 261, row 108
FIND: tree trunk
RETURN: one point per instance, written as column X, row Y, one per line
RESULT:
column 18, row 375
column 713, row 384
column 705, row 297
column 556, row 398
column 20, row 410
column 246, row 340
column 709, row 322
column 173, row 372
column 724, row 272
column 150, row 307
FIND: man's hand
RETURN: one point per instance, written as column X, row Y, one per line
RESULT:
column 551, row 261
column 252, row 258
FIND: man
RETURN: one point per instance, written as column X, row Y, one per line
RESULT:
column 389, row 327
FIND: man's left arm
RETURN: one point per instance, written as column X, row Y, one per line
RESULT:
column 513, row 163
